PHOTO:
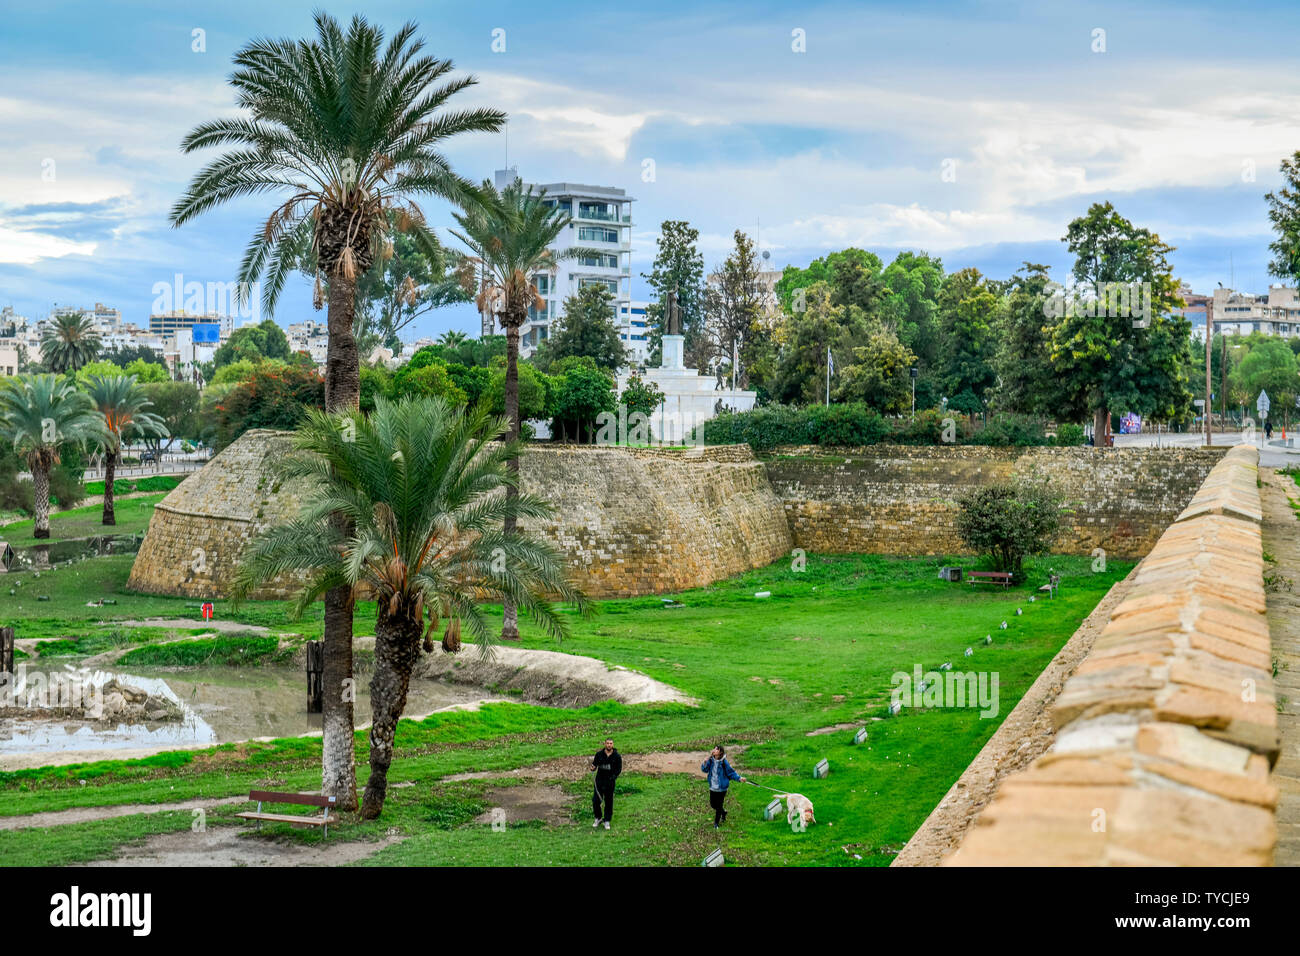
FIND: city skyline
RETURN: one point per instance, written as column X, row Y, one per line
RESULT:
column 971, row 131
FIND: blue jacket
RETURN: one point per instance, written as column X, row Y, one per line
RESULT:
column 720, row 773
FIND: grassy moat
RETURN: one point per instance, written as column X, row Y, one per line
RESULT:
column 819, row 652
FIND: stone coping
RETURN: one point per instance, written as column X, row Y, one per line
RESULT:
column 1167, row 729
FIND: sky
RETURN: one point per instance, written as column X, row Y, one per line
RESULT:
column 973, row 131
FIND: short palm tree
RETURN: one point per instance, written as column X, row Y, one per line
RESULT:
column 121, row 402
column 346, row 130
column 420, row 483
column 39, row 416
column 452, row 338
column 509, row 235
column 69, row 343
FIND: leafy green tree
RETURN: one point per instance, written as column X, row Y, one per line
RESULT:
column 69, row 342
column 430, row 381
column 124, row 355
column 342, row 128
column 581, row 393
column 969, row 310
column 122, row 403
column 177, row 404
column 805, row 336
column 733, row 303
column 41, row 416
column 878, row 374
column 276, row 396
column 1284, row 214
column 679, row 268
column 419, row 482
column 641, row 396
column 252, row 343
column 146, row 372
column 586, row 327
column 1023, row 359
column 534, row 391
column 97, row 367
column 1269, row 366
column 510, row 234
column 1106, row 362
column 1010, row 521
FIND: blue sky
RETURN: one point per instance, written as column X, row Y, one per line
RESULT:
column 1181, row 123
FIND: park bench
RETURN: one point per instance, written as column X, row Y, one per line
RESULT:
column 302, row 799
column 989, row 577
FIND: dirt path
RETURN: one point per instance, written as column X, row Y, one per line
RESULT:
column 185, row 624
column 54, row 818
column 1026, row 733
column 1282, row 543
column 225, row 846
column 575, row 768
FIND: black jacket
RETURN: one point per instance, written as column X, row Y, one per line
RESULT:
column 608, row 766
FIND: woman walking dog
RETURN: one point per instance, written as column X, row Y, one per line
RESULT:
column 720, row 774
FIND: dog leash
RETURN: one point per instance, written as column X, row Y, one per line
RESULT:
column 782, row 792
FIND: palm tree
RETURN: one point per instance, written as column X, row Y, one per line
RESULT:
column 509, row 235
column 39, row 414
column 69, row 343
column 122, row 403
column 452, row 338
column 349, row 129
column 419, row 482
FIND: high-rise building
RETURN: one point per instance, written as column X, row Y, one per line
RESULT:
column 167, row 323
column 601, row 220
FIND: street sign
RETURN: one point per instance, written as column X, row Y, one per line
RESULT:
column 1199, row 403
column 1263, row 404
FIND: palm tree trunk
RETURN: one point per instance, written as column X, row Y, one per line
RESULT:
column 338, row 733
column 510, row 613
column 110, row 469
column 41, row 503
column 397, row 644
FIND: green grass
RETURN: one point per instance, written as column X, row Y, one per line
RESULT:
column 132, row 516
column 820, row 651
column 237, row 651
column 125, row 486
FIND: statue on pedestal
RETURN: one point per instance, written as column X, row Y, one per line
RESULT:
column 672, row 315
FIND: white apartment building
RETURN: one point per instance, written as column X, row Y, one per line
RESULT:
column 633, row 329
column 602, row 221
column 8, row 357
column 1240, row 313
column 311, row 337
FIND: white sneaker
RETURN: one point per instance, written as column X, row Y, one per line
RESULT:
column 606, row 824
column 595, row 824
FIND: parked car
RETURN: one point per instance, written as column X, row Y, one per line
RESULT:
column 148, row 456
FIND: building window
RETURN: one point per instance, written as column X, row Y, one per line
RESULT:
column 604, row 261
column 610, row 284
column 597, row 234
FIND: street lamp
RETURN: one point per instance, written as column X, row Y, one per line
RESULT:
column 914, row 374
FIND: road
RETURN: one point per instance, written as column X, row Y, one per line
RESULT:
column 1271, row 455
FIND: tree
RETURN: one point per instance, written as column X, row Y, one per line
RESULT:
column 878, row 374
column 1023, row 359
column 419, row 482
column 124, row 355
column 641, row 396
column 1107, row 357
column 349, row 129
column 1284, row 214
column 587, row 328
column 733, row 301
column 177, row 404
column 432, row 380
column 276, row 397
column 39, row 416
column 582, row 392
column 509, row 235
column 69, row 342
column 146, row 372
column 452, row 338
column 1269, row 366
column 805, row 336
column 678, row 268
column 968, row 312
column 252, row 343
column 1010, row 520
column 121, row 402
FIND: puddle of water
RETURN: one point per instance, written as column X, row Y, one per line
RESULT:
column 38, row 557
column 219, row 704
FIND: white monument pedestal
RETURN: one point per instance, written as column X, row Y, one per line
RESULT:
column 690, row 399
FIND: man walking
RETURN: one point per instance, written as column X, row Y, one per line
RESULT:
column 608, row 764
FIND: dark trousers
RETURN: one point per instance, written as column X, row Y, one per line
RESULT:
column 606, row 791
column 715, row 801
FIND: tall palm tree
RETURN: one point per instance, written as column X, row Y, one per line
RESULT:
column 121, row 402
column 39, row 415
column 420, row 483
column 345, row 130
column 69, row 343
column 509, row 236
column 452, row 338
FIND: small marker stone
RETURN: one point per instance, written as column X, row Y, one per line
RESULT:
column 713, row 859
column 969, row 652
column 822, row 769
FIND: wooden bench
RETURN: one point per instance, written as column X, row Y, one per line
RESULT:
column 302, row 799
column 989, row 577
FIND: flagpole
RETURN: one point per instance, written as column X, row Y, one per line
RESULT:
column 828, row 376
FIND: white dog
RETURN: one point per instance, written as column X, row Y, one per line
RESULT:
column 798, row 805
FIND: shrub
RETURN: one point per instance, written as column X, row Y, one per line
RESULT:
column 1069, row 435
column 1009, row 521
